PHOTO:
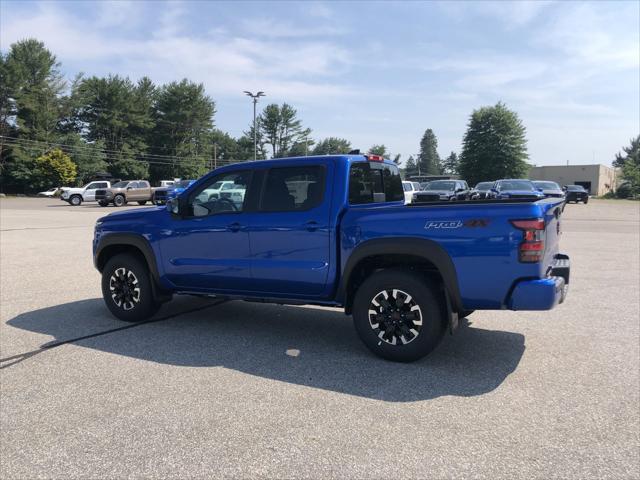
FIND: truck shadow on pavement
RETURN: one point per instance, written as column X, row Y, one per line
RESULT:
column 262, row 340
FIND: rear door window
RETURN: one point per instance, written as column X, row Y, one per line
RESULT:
column 291, row 189
column 372, row 183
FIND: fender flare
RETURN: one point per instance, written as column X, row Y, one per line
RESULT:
column 426, row 249
column 129, row 240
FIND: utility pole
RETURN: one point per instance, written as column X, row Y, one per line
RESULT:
column 255, row 130
column 215, row 156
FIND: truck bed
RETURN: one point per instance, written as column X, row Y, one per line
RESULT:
column 477, row 235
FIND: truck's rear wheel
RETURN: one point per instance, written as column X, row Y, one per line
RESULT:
column 398, row 316
column 126, row 288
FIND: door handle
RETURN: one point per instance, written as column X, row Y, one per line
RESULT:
column 312, row 226
column 234, row 227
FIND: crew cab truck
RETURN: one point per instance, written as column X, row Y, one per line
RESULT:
column 75, row 196
column 334, row 230
column 126, row 191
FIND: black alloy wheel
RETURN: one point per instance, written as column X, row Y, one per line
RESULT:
column 395, row 317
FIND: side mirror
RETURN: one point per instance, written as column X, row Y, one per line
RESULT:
column 173, row 206
column 539, row 189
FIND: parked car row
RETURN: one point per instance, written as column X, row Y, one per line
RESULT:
column 119, row 193
column 458, row 190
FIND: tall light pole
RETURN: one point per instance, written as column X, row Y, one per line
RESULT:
column 255, row 130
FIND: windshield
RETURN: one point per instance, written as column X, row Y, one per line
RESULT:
column 120, row 185
column 575, row 188
column 547, row 185
column 516, row 185
column 484, row 186
column 183, row 183
column 441, row 185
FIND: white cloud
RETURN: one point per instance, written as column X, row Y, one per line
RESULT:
column 295, row 68
column 272, row 28
column 591, row 35
column 514, row 14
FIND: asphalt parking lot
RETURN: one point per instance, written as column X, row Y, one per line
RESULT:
column 250, row 390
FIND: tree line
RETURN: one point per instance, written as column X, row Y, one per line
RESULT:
column 54, row 132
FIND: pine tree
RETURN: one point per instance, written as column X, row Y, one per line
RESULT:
column 429, row 158
column 450, row 165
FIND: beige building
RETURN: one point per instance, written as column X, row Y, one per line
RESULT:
column 597, row 179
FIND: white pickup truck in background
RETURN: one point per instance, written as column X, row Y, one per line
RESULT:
column 76, row 195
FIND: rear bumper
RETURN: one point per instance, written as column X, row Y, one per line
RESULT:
column 543, row 293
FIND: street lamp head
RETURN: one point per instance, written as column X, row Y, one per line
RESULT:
column 260, row 94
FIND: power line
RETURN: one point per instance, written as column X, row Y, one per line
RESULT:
column 146, row 158
column 104, row 150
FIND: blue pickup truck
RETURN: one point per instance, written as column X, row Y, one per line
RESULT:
column 334, row 230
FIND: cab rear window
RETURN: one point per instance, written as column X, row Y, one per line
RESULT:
column 374, row 182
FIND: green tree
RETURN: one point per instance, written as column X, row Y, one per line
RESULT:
column 629, row 162
column 411, row 167
column 332, row 145
column 428, row 158
column 30, row 90
column 89, row 158
column 245, row 146
column 379, row 150
column 450, row 165
column 54, row 168
column 281, row 128
column 184, row 117
column 117, row 112
column 7, row 110
column 33, row 72
column 494, row 146
column 301, row 148
column 225, row 148
column 632, row 152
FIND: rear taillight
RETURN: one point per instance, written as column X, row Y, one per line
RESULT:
column 375, row 158
column 531, row 249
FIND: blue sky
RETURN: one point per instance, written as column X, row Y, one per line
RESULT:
column 373, row 72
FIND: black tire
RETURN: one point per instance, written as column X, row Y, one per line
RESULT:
column 466, row 313
column 130, row 306
column 153, row 200
column 143, row 202
column 423, row 295
column 119, row 200
column 75, row 200
column 586, row 200
column 102, row 203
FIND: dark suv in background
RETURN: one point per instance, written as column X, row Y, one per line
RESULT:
column 481, row 190
column 443, row 190
column 575, row 193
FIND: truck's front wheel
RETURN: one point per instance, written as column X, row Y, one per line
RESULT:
column 126, row 288
column 119, row 200
column 398, row 316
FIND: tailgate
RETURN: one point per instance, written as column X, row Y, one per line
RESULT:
column 552, row 212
